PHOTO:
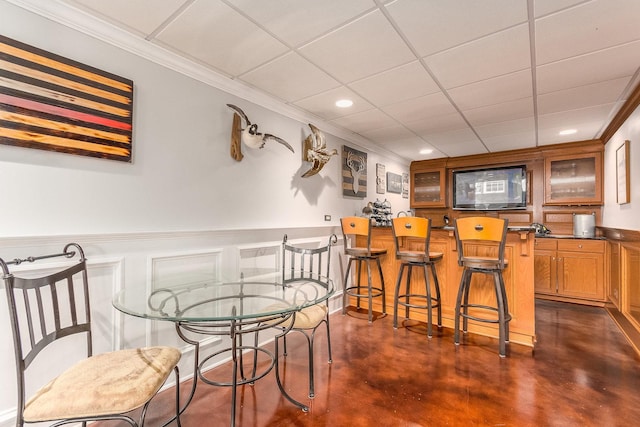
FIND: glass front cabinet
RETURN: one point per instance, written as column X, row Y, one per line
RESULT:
column 428, row 189
column 573, row 179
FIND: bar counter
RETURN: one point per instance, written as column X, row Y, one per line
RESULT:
column 518, row 278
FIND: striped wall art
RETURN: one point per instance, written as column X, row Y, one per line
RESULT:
column 53, row 103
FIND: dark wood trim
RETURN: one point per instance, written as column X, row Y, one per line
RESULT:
column 512, row 156
column 629, row 331
column 622, row 115
column 620, row 234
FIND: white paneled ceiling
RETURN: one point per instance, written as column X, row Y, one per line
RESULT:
column 458, row 77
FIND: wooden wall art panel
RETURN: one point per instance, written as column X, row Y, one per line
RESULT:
column 53, row 103
column 354, row 172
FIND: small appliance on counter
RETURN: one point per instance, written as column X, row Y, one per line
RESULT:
column 540, row 230
column 584, row 225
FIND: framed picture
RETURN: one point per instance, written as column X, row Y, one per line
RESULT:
column 623, row 174
column 354, row 172
column 405, row 185
column 53, row 103
column 380, row 178
column 394, row 183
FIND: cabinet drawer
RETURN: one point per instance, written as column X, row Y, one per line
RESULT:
column 546, row 244
column 581, row 245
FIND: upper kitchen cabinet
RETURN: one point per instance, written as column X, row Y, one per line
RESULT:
column 573, row 179
column 428, row 186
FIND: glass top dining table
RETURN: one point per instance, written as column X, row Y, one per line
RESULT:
column 204, row 299
column 204, row 305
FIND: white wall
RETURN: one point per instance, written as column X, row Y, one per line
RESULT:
column 182, row 176
column 626, row 216
column 182, row 196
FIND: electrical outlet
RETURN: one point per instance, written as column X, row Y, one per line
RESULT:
column 327, row 217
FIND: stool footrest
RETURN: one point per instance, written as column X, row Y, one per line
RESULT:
column 482, row 319
column 375, row 292
column 417, row 296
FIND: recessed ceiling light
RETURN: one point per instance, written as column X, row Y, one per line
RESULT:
column 568, row 132
column 426, row 151
column 344, row 103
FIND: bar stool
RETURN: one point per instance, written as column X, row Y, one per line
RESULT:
column 472, row 236
column 352, row 228
column 407, row 232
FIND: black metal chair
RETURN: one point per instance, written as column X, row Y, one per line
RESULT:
column 299, row 262
column 107, row 386
column 353, row 228
column 481, row 245
column 411, row 233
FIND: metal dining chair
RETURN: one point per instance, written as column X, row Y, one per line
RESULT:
column 46, row 309
column 310, row 263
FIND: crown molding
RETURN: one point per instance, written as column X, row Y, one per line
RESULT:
column 77, row 19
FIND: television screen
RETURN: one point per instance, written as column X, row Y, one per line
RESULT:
column 490, row 189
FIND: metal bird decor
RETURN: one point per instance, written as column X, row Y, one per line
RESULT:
column 315, row 151
column 249, row 134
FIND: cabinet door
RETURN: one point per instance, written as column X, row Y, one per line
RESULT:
column 428, row 188
column 573, row 179
column 545, row 272
column 581, row 275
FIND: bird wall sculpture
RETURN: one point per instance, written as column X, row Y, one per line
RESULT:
column 249, row 134
column 315, row 151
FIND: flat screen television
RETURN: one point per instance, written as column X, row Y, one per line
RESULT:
column 490, row 189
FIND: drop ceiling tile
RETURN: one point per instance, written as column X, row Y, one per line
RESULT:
column 438, row 124
column 587, row 121
column 515, row 141
column 399, row 84
column 390, row 133
column 290, row 77
column 410, row 149
column 300, row 21
column 508, row 135
column 421, row 108
column 324, row 104
column 461, row 142
column 607, row 64
column 433, row 26
column 362, row 48
column 510, row 87
column 582, row 97
column 366, row 120
column 589, row 27
column 545, row 7
column 141, row 15
column 495, row 55
column 504, row 111
column 213, row 33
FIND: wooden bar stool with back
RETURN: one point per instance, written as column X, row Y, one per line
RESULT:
column 352, row 228
column 412, row 236
column 481, row 245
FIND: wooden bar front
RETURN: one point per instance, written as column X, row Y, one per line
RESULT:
column 518, row 278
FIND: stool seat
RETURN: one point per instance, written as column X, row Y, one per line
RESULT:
column 485, row 234
column 407, row 233
column 483, row 263
column 418, row 256
column 352, row 228
column 364, row 252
